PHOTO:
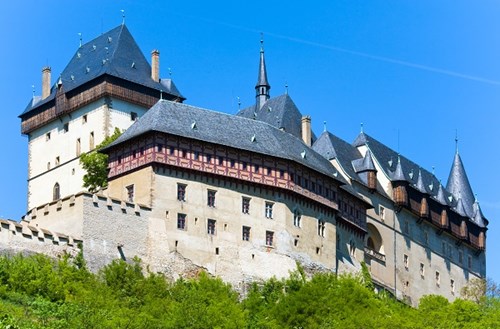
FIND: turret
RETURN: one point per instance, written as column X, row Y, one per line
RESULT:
column 399, row 184
column 262, row 87
column 424, row 204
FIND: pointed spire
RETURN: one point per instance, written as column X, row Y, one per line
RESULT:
column 398, row 174
column 456, row 141
column 478, row 217
column 458, row 184
column 459, row 208
column 368, row 161
column 420, row 183
column 440, row 195
column 324, row 122
column 262, row 87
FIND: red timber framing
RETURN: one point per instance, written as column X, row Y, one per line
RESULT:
column 239, row 165
column 105, row 86
column 446, row 220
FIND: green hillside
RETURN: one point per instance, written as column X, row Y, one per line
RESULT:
column 38, row 292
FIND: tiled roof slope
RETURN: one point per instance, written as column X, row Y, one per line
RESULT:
column 229, row 130
column 114, row 53
column 280, row 112
column 388, row 159
column 458, row 185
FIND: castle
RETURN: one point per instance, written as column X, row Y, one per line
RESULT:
column 244, row 197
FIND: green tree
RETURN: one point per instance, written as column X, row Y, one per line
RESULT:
column 95, row 164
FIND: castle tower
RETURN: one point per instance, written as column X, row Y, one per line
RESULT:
column 107, row 84
column 262, row 87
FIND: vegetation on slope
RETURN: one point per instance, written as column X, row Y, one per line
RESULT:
column 38, row 292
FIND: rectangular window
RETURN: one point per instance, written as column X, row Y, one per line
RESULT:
column 297, row 218
column 256, row 168
column 321, row 228
column 245, row 233
column 269, row 210
column 57, row 161
column 133, row 116
column 438, row 278
column 171, row 150
column 159, row 148
column 220, row 161
column 78, row 147
column 422, row 270
column 91, row 140
column 130, row 193
column 269, row 171
column 269, row 238
column 406, row 261
column 47, row 136
column 211, row 198
column 181, row 192
column 243, row 165
column 84, row 118
column 66, row 127
column 209, row 158
column 196, row 155
column 381, row 213
column 452, row 286
column 282, row 173
column 184, row 153
column 181, row 221
column 245, row 205
column 232, row 163
column 211, row 226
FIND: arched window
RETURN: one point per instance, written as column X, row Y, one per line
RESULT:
column 56, row 192
column 374, row 240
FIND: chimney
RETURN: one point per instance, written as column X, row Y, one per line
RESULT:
column 306, row 130
column 46, row 82
column 155, row 65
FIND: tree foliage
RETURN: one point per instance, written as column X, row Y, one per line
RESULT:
column 39, row 292
column 95, row 165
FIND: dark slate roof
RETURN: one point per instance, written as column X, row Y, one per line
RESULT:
column 479, row 218
column 388, row 161
column 238, row 132
column 280, row 112
column 458, row 185
column 420, row 183
column 364, row 164
column 262, row 77
column 114, row 53
column 332, row 147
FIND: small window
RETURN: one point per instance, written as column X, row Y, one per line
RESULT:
column 48, row 165
column 211, row 226
column 443, row 248
column 321, row 228
column 245, row 205
column 196, row 155
column 209, row 158
column 84, row 119
column 232, row 163
column 438, row 279
column 352, row 248
column 406, row 261
column 130, row 193
column 282, row 173
column 184, row 153
column 133, row 116
column 269, row 210
column 297, row 218
column 269, row 238
column 66, row 127
column 159, row 148
column 58, row 160
column 56, row 192
column 269, row 171
column 220, row 160
column 243, row 165
column 91, row 140
column 181, row 221
column 171, row 150
column 452, row 286
column 47, row 136
column 181, row 192
column 422, row 270
column 246, row 233
column 211, row 198
column 381, row 212
column 257, row 168
column 78, row 147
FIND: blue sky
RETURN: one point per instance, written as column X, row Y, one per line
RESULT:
column 420, row 70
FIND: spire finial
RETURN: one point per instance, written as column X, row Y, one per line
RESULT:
column 161, row 94
column 324, row 125
column 239, row 102
column 286, row 88
column 169, row 72
column 33, row 90
column 80, row 35
column 361, row 127
column 123, row 16
column 456, row 140
column 261, row 42
column 433, row 170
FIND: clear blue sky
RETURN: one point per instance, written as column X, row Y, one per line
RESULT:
column 421, row 68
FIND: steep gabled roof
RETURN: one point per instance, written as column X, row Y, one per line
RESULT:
column 280, row 112
column 238, row 132
column 113, row 53
column 458, row 185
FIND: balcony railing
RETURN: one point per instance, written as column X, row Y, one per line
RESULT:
column 374, row 254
